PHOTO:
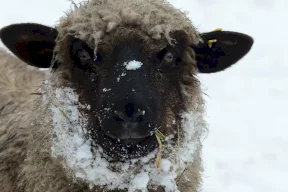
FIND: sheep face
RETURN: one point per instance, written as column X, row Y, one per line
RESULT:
column 133, row 85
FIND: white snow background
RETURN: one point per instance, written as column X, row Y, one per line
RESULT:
column 247, row 147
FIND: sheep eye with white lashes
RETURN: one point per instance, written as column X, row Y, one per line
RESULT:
column 81, row 52
column 84, row 56
column 169, row 57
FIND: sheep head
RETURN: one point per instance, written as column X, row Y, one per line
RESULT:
column 129, row 105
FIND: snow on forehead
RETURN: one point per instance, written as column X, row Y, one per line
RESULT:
column 133, row 65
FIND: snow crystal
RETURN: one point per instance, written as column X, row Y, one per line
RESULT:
column 140, row 182
column 165, row 164
column 133, row 65
column 122, row 75
column 106, row 90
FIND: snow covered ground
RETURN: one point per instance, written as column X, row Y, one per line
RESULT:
column 247, row 147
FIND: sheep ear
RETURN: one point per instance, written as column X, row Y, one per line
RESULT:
column 32, row 43
column 220, row 50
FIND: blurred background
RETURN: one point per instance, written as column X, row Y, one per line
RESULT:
column 247, row 146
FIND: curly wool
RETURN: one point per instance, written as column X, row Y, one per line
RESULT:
column 93, row 19
column 18, row 82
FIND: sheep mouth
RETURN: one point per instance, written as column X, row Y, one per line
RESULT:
column 127, row 133
column 130, row 148
column 129, row 141
column 125, row 142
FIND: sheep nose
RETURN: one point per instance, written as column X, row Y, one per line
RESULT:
column 129, row 115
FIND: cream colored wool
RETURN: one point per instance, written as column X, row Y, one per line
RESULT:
column 18, row 82
column 26, row 163
column 93, row 19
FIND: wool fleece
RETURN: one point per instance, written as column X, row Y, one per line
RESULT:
column 33, row 160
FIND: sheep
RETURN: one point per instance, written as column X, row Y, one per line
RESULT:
column 121, row 107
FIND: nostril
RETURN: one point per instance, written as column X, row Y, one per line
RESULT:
column 119, row 116
column 139, row 116
column 118, row 119
column 129, row 109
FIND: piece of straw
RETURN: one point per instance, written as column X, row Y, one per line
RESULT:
column 159, row 137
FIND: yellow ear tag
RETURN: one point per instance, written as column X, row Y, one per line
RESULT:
column 210, row 42
column 218, row 29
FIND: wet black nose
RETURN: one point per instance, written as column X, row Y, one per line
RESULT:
column 129, row 113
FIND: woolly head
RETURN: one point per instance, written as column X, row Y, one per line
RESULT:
column 120, row 72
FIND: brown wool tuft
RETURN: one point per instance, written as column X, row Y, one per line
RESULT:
column 93, row 19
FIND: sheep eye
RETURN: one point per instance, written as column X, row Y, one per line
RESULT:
column 168, row 57
column 83, row 55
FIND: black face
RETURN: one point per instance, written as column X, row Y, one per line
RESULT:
column 127, row 105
